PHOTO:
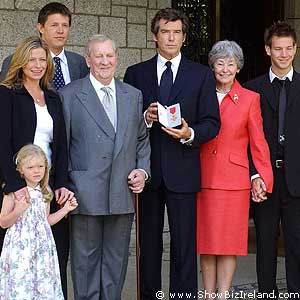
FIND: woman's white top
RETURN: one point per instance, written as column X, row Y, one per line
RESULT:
column 221, row 96
column 43, row 136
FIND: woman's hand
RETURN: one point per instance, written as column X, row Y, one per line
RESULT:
column 62, row 195
column 23, row 192
column 21, row 205
column 258, row 190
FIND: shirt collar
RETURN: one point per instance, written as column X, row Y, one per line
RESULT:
column 61, row 55
column 98, row 85
column 289, row 75
column 37, row 188
column 175, row 61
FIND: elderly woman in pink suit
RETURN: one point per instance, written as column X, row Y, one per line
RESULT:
column 223, row 203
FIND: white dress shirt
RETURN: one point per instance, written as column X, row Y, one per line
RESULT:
column 161, row 66
column 98, row 85
column 289, row 75
column 64, row 65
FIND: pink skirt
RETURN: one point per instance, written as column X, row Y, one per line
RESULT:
column 222, row 222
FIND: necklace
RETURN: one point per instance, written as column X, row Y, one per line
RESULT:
column 223, row 91
column 37, row 100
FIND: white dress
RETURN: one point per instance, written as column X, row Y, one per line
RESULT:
column 29, row 267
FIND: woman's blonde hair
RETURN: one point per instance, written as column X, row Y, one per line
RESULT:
column 14, row 76
column 25, row 154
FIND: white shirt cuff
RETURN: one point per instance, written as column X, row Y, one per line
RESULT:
column 148, row 125
column 190, row 140
column 254, row 177
column 146, row 174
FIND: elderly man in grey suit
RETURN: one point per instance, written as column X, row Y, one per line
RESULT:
column 109, row 161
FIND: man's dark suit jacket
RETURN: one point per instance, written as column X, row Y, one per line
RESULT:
column 76, row 64
column 17, row 128
column 269, row 108
column 179, row 165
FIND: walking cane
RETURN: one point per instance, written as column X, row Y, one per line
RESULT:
column 137, row 247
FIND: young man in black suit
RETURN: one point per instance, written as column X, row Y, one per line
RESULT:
column 280, row 105
column 171, row 78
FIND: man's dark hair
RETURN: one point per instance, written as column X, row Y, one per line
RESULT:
column 51, row 9
column 279, row 29
column 171, row 15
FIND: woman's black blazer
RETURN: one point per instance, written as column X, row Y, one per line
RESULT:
column 17, row 128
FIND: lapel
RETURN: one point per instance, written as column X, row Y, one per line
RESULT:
column 151, row 78
column 233, row 96
column 179, row 80
column 267, row 90
column 72, row 66
column 89, row 99
column 123, row 105
column 294, row 89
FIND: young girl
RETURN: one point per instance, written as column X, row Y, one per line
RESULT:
column 28, row 264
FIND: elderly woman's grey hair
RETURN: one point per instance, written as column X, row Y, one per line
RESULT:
column 99, row 38
column 226, row 49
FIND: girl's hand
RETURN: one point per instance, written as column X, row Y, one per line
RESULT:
column 71, row 204
column 21, row 205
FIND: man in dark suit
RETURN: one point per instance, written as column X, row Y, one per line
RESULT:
column 54, row 23
column 280, row 105
column 171, row 78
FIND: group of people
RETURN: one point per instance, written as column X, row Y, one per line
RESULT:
column 69, row 126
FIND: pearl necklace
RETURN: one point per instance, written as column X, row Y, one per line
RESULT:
column 223, row 92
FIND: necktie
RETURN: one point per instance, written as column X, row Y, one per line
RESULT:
column 281, row 111
column 166, row 83
column 109, row 106
column 58, row 80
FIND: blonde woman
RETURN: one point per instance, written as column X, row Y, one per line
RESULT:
column 31, row 112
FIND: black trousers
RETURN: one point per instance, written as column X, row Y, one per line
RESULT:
column 181, row 208
column 61, row 236
column 280, row 207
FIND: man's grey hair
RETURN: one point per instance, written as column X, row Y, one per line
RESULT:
column 226, row 49
column 99, row 38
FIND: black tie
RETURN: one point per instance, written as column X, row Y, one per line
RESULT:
column 58, row 79
column 281, row 111
column 166, row 83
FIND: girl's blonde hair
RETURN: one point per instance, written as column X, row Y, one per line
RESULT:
column 14, row 76
column 26, row 153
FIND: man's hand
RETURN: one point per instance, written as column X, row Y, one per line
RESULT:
column 136, row 181
column 23, row 192
column 62, row 195
column 183, row 133
column 258, row 190
column 151, row 113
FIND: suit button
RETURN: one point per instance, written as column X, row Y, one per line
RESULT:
column 214, row 152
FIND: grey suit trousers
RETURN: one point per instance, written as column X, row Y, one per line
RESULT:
column 99, row 255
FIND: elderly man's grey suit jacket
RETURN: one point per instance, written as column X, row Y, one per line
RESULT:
column 100, row 160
